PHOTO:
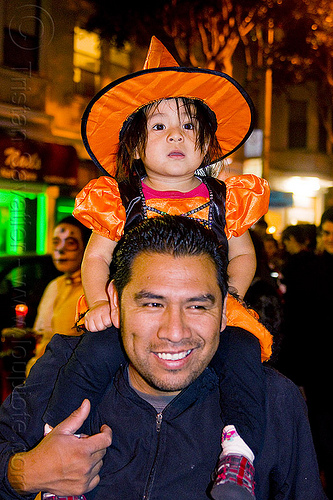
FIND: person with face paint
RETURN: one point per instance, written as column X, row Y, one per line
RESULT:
column 56, row 310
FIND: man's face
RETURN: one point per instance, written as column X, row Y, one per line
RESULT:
column 68, row 248
column 327, row 236
column 171, row 318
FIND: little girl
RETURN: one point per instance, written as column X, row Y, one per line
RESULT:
column 157, row 131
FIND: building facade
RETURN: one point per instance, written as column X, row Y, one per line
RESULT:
column 49, row 70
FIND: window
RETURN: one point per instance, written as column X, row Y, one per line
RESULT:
column 325, row 119
column 118, row 62
column 322, row 137
column 21, row 35
column 87, row 64
column 297, row 133
column 121, row 58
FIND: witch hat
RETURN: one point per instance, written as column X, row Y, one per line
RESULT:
column 163, row 78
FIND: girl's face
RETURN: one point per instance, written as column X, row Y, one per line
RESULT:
column 171, row 152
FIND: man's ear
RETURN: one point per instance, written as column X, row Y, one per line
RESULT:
column 224, row 314
column 114, row 304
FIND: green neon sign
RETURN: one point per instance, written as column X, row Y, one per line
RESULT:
column 23, row 217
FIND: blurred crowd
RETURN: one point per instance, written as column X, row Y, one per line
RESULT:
column 293, row 295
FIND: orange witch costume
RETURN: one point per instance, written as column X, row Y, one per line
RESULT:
column 101, row 205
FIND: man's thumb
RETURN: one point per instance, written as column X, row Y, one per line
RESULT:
column 72, row 423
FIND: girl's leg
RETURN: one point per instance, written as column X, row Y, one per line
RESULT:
column 242, row 387
column 87, row 374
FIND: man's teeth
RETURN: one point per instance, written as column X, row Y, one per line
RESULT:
column 173, row 357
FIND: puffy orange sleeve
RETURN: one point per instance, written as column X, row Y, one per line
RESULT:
column 99, row 207
column 247, row 200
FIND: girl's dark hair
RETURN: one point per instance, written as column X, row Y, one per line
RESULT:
column 169, row 235
column 133, row 136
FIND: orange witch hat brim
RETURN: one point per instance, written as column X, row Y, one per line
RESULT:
column 162, row 78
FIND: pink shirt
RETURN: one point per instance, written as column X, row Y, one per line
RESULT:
column 150, row 193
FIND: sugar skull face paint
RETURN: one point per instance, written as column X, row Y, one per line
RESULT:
column 68, row 248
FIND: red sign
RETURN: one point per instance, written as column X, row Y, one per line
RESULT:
column 34, row 161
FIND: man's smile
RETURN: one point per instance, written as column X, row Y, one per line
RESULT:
column 174, row 356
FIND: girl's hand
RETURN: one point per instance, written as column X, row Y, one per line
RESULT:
column 98, row 317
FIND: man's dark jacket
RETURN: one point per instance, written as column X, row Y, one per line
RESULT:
column 171, row 457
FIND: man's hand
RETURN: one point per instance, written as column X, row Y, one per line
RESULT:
column 62, row 463
column 98, row 317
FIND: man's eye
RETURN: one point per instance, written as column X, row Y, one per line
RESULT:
column 158, row 126
column 198, row 307
column 152, row 304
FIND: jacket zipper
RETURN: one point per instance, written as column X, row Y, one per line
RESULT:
column 159, row 418
column 158, row 422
